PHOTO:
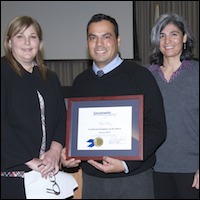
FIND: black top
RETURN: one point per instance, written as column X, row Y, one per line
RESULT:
column 21, row 129
column 128, row 78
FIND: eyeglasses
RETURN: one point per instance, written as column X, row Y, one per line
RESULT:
column 55, row 187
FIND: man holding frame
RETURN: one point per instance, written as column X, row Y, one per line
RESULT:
column 113, row 178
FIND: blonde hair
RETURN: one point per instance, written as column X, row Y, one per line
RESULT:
column 14, row 27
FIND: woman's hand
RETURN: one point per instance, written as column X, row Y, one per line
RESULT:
column 72, row 162
column 195, row 183
column 50, row 159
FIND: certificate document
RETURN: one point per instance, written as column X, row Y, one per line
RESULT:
column 105, row 126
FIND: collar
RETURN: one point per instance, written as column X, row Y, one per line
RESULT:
column 110, row 66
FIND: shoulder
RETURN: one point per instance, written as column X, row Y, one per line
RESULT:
column 192, row 66
column 4, row 64
column 195, row 70
column 137, row 70
column 52, row 77
column 133, row 66
column 195, row 64
column 51, row 74
column 6, row 67
column 86, row 74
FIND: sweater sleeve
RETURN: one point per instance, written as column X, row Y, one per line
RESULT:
column 154, row 124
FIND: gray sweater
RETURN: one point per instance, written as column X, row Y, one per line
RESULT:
column 180, row 151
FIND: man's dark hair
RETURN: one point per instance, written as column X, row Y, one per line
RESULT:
column 99, row 17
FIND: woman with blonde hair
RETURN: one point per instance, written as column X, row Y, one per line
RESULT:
column 33, row 111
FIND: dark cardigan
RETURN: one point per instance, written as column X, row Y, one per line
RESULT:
column 21, row 130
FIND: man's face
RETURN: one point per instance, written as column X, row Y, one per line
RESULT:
column 102, row 43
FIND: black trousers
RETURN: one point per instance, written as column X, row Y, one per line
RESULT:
column 12, row 188
column 174, row 186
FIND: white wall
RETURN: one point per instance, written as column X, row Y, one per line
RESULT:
column 64, row 24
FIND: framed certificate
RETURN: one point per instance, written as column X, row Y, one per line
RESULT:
column 105, row 126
